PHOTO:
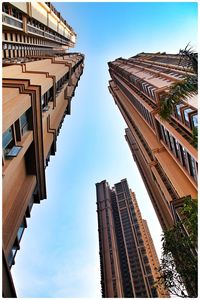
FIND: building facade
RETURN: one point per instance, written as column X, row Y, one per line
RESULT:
column 128, row 259
column 37, row 89
column 163, row 150
column 33, row 28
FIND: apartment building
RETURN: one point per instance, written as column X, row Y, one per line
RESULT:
column 128, row 257
column 162, row 149
column 37, row 87
column 34, row 28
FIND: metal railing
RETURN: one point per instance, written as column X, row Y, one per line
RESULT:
column 35, row 30
column 167, row 182
column 43, row 33
column 12, row 21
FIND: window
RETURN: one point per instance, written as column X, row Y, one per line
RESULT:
column 145, row 258
column 118, row 187
column 193, row 171
column 8, row 140
column 186, row 116
column 162, row 132
column 11, row 257
column 15, row 13
column 23, row 123
column 120, row 196
column 172, row 142
column 195, row 120
column 48, row 96
column 178, row 110
column 177, row 148
column 20, row 231
column 167, row 138
column 148, row 269
column 59, row 85
column 5, row 8
column 184, row 158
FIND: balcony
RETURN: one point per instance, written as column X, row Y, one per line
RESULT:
column 12, row 21
column 46, row 34
column 166, row 182
column 55, row 38
column 181, row 130
column 35, row 30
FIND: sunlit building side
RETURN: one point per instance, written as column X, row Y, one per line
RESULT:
column 163, row 150
column 38, row 84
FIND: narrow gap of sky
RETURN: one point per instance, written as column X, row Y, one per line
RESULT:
column 59, row 254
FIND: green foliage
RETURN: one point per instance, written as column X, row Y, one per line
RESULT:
column 195, row 137
column 169, row 278
column 180, row 90
column 189, row 53
column 190, row 211
column 183, row 89
column 178, row 268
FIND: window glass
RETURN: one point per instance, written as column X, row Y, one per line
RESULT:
column 172, row 141
column 42, row 100
column 23, row 120
column 178, row 107
column 167, row 138
column 186, row 116
column 177, row 148
column 12, row 256
column 20, row 231
column 185, row 158
column 23, row 123
column 191, row 161
column 5, row 8
column 7, row 137
column 195, row 120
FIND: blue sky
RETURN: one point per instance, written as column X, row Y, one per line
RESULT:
column 59, row 250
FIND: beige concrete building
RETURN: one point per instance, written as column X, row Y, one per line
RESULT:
column 37, row 92
column 128, row 258
column 34, row 28
column 163, row 150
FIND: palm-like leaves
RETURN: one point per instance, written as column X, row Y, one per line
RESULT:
column 183, row 89
column 178, row 91
column 188, row 53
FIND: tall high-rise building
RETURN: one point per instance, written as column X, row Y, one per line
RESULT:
column 128, row 258
column 163, row 150
column 33, row 28
column 39, row 81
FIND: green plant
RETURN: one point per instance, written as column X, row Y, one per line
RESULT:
column 178, row 268
column 183, row 89
column 195, row 137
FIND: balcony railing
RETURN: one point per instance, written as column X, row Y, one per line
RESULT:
column 7, row 19
column 55, row 38
column 166, row 182
column 35, row 30
column 46, row 34
column 183, row 132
